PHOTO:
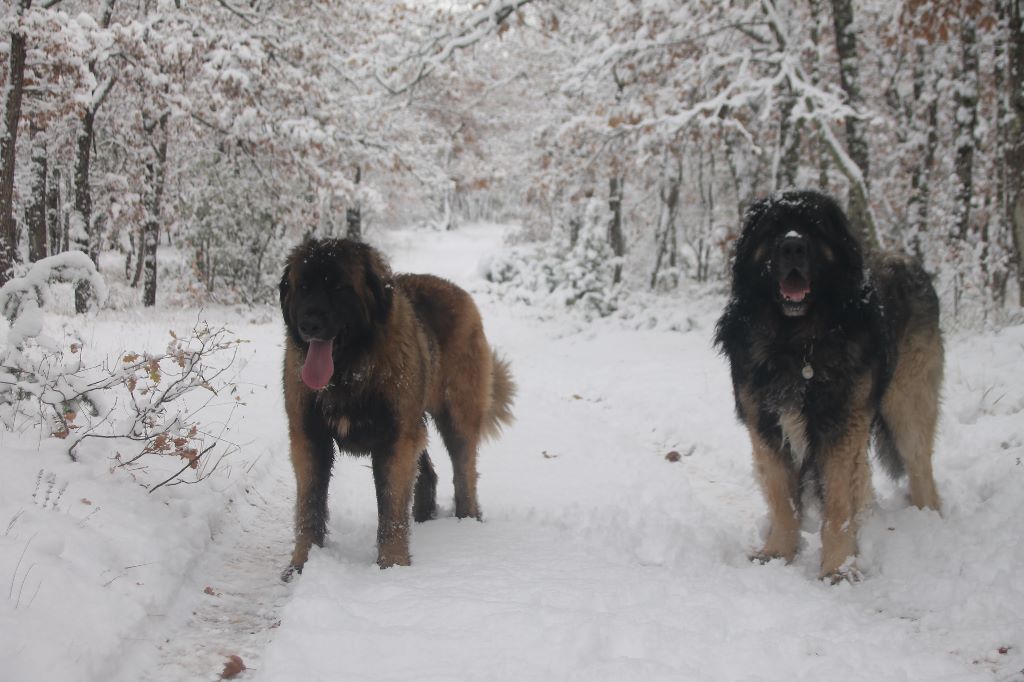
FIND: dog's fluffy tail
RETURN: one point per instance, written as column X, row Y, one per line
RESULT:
column 503, row 391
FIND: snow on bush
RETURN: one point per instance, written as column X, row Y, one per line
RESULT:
column 576, row 274
column 22, row 298
column 139, row 401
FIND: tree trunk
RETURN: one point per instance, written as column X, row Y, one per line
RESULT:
column 788, row 153
column 815, row 73
column 81, row 224
column 1014, row 151
column 856, row 143
column 137, row 243
column 924, row 152
column 13, row 93
column 668, row 193
column 54, row 220
column 354, row 213
column 84, row 234
column 155, row 174
column 966, row 120
column 35, row 214
column 615, row 238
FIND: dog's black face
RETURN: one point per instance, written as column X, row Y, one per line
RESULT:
column 334, row 295
column 796, row 253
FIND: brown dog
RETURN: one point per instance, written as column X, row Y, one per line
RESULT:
column 367, row 355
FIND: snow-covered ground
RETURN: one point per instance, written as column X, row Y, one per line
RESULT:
column 598, row 559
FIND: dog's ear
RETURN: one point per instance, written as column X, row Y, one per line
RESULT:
column 752, row 216
column 378, row 282
column 284, row 288
column 745, row 242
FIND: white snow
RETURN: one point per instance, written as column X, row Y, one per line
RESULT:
column 598, row 559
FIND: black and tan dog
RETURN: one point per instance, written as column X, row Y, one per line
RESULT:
column 827, row 351
column 367, row 355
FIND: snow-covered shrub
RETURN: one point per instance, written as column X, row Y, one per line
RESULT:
column 578, row 275
column 23, row 298
column 138, row 402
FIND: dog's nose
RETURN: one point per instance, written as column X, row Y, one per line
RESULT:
column 311, row 326
column 793, row 251
column 794, row 246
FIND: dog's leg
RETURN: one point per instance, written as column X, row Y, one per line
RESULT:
column 424, row 505
column 462, row 451
column 778, row 481
column 846, row 488
column 463, row 455
column 394, row 474
column 910, row 410
column 312, row 454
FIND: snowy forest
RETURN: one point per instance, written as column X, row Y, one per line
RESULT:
column 225, row 131
column 582, row 169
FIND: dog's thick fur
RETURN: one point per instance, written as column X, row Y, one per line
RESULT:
column 402, row 346
column 826, row 352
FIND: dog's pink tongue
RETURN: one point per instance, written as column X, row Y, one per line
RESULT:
column 319, row 365
column 795, row 288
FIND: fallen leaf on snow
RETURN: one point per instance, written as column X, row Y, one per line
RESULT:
column 233, row 667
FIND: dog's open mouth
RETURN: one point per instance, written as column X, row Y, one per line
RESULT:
column 795, row 289
column 319, row 366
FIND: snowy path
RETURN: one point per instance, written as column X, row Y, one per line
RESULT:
column 600, row 560
column 229, row 604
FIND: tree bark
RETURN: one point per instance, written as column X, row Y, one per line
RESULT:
column 81, row 233
column 924, row 152
column 54, row 220
column 668, row 193
column 815, row 73
column 615, row 237
column 856, row 142
column 1014, row 151
column 354, row 213
column 966, row 120
column 13, row 93
column 155, row 175
column 35, row 213
column 788, row 152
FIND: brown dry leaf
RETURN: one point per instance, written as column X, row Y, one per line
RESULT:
column 153, row 367
column 210, row 591
column 547, row 455
column 86, row 500
column 673, row 456
column 233, row 668
column 130, row 358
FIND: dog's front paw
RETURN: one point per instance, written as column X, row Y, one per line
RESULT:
column 288, row 573
column 848, row 573
column 386, row 558
column 762, row 557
